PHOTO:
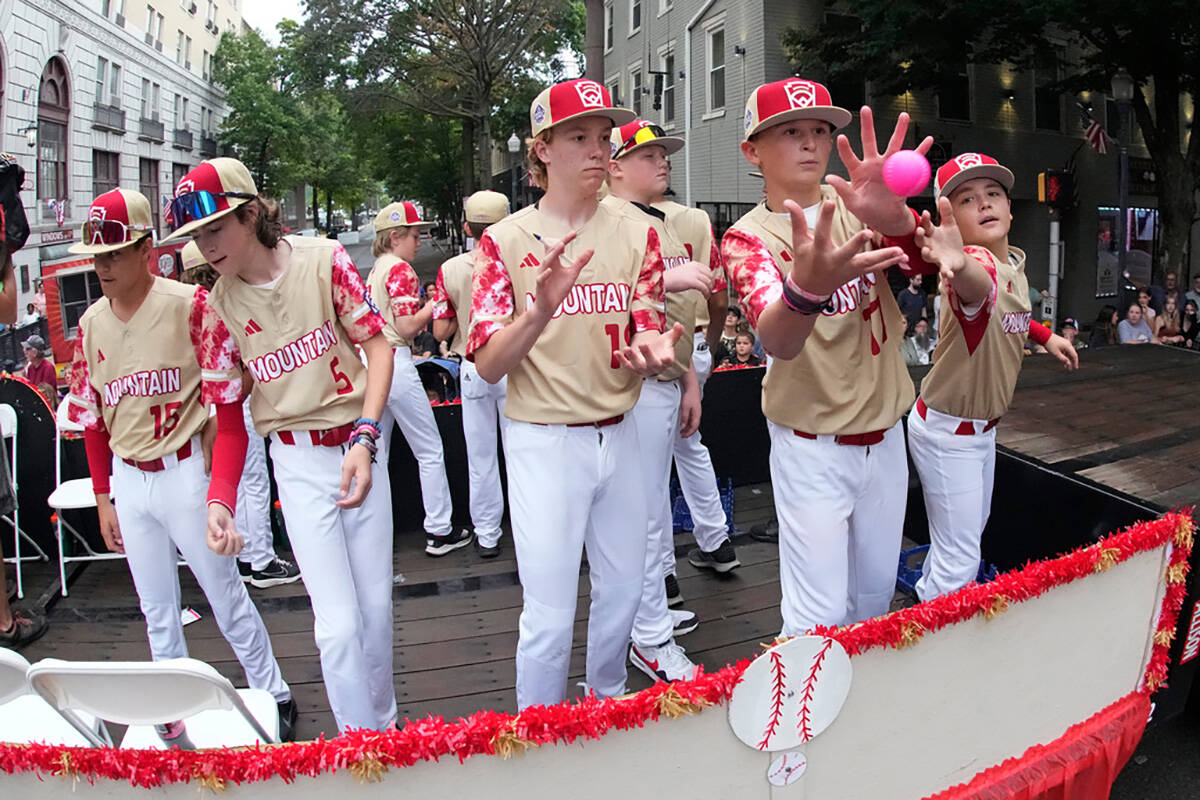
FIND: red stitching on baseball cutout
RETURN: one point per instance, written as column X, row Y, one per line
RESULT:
column 779, row 674
column 810, row 685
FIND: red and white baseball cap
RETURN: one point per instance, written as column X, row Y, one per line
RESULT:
column 969, row 166
column 401, row 214
column 191, row 257
column 574, row 100
column 207, row 193
column 641, row 133
column 116, row 219
column 789, row 99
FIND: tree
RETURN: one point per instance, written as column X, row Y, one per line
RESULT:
column 903, row 44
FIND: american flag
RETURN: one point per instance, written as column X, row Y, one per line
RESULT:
column 1097, row 137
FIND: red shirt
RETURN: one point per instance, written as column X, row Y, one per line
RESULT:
column 41, row 372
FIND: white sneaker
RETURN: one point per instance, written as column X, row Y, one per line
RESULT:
column 683, row 621
column 666, row 662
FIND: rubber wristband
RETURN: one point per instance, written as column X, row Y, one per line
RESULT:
column 816, row 298
column 803, row 303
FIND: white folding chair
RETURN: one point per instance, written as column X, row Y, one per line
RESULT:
column 8, row 427
column 142, row 694
column 25, row 717
column 70, row 495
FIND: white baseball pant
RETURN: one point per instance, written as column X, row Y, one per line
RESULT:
column 253, row 517
column 841, row 518
column 159, row 512
column 570, row 488
column 657, row 418
column 345, row 558
column 956, row 472
column 482, row 410
column 409, row 406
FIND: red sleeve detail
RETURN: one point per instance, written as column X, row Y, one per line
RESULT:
column 649, row 292
column 443, row 306
column 354, row 308
column 1039, row 332
column 83, row 401
column 720, row 282
column 217, row 353
column 975, row 325
column 492, row 300
column 229, row 455
column 99, row 458
column 404, row 290
column 753, row 271
column 916, row 265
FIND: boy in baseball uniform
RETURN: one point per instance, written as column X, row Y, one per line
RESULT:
column 837, row 385
column 985, row 320
column 396, row 292
column 567, row 302
column 257, row 563
column 136, row 390
column 482, row 402
column 289, row 312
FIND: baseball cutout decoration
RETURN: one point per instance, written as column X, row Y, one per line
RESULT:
column 790, row 693
column 787, row 769
column 906, row 173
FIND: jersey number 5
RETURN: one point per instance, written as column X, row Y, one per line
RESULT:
column 165, row 418
column 343, row 382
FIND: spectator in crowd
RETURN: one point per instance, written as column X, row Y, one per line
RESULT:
column 1190, row 325
column 38, row 371
column 1194, row 293
column 39, row 297
column 1168, row 327
column 31, row 315
column 937, row 312
column 1134, row 329
column 733, row 317
column 911, row 300
column 1070, row 332
column 1170, row 288
column 1104, row 331
column 918, row 344
column 1036, row 297
column 743, row 352
column 1145, row 299
column 425, row 344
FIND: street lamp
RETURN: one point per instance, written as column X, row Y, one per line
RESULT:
column 30, row 135
column 514, row 147
column 1122, row 92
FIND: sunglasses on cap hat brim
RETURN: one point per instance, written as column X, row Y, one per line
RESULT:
column 648, row 135
column 109, row 232
column 196, row 206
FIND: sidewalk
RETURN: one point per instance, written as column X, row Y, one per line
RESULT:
column 429, row 257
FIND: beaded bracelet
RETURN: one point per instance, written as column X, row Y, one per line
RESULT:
column 802, row 302
column 372, row 423
column 366, row 430
column 368, row 443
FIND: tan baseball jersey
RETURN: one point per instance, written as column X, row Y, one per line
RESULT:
column 296, row 337
column 681, row 306
column 140, row 380
column 571, row 374
column 396, row 292
column 978, row 357
column 452, row 297
column 694, row 228
column 850, row 377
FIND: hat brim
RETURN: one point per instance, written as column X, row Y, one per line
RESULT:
column 1000, row 174
column 82, row 249
column 836, row 116
column 618, row 117
column 672, row 144
column 186, row 230
column 390, row 226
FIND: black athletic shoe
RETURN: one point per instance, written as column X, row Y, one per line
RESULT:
column 287, row 720
column 723, row 559
column 245, row 570
column 674, row 597
column 26, row 628
column 441, row 545
column 683, row 621
column 277, row 573
column 487, row 552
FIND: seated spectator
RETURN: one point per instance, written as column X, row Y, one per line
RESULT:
column 1104, row 330
column 1194, row 293
column 1170, row 288
column 911, row 300
column 743, row 352
column 31, row 316
column 1070, row 332
column 38, row 371
column 1190, row 324
column 1134, row 329
column 1145, row 299
column 1168, row 328
column 918, row 344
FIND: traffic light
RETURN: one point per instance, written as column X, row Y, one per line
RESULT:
column 1056, row 188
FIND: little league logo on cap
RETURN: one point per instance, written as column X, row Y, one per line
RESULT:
column 642, row 133
column 969, row 166
column 115, row 219
column 486, row 207
column 573, row 100
column 401, row 214
column 791, row 99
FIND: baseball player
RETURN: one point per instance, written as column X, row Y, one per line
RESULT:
column 289, row 311
column 135, row 388
column 482, row 402
column 985, row 320
column 669, row 403
column 257, row 563
column 394, row 288
column 567, row 301
column 837, row 385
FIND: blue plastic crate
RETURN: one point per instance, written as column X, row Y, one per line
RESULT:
column 911, row 561
column 681, row 516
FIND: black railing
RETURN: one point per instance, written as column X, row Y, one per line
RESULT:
column 11, row 355
column 208, row 146
column 109, row 118
column 183, row 139
column 152, row 130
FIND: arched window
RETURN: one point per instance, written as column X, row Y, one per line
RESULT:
column 54, row 112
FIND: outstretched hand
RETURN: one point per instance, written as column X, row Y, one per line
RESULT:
column 942, row 244
column 556, row 277
column 651, row 352
column 820, row 267
column 866, row 195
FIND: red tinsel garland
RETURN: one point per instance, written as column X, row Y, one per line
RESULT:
column 368, row 754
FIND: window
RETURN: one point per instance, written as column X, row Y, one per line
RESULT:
column 1047, row 101
column 608, row 26
column 104, row 8
column 635, row 16
column 179, row 49
column 177, row 173
column 664, row 6
column 954, row 94
column 158, row 23
column 101, row 78
column 614, row 89
column 114, row 84
column 150, row 96
column 54, row 112
column 667, row 65
column 715, row 54
column 847, row 91
column 187, row 52
column 148, row 184
column 635, row 89
column 205, row 63
column 75, row 294
column 145, row 98
column 150, row 22
column 106, row 171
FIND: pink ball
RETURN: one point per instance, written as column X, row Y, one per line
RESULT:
column 906, row 173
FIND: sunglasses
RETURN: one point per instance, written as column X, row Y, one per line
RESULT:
column 191, row 206
column 644, row 134
column 109, row 231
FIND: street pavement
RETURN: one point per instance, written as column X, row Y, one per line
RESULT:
column 429, row 257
